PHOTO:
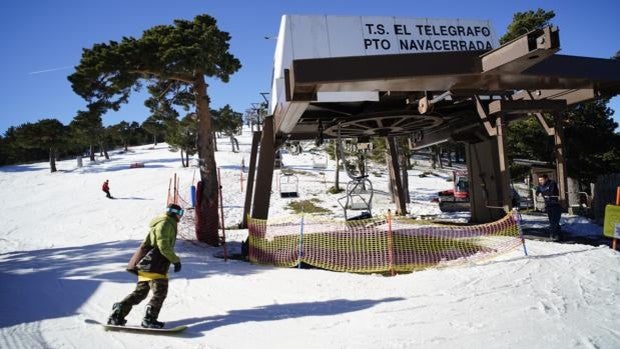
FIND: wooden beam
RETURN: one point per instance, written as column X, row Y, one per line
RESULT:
column 541, row 120
column 525, row 106
column 482, row 113
column 571, row 96
column 522, row 52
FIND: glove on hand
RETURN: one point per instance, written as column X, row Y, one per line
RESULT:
column 177, row 267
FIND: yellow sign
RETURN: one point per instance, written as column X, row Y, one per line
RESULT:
column 611, row 228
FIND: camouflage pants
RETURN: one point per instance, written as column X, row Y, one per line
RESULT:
column 160, row 291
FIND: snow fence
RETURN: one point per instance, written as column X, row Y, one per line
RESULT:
column 379, row 245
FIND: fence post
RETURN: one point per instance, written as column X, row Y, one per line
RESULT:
column 219, row 181
column 301, row 238
column 613, row 243
column 517, row 218
column 168, row 194
column 174, row 190
column 241, row 180
column 390, row 244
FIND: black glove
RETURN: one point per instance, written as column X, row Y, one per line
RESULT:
column 177, row 267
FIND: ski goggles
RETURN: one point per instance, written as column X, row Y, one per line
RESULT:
column 176, row 212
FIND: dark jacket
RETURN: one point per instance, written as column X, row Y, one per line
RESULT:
column 549, row 191
column 156, row 252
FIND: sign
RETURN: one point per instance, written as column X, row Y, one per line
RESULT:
column 309, row 37
column 417, row 36
column 339, row 36
column 611, row 226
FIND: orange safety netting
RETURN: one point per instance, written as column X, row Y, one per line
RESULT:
column 377, row 245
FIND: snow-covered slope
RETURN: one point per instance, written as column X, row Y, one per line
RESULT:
column 63, row 247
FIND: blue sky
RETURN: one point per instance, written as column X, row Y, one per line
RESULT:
column 45, row 35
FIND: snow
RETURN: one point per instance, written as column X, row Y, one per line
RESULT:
column 63, row 247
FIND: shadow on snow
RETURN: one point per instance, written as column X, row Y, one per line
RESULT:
column 52, row 283
column 274, row 312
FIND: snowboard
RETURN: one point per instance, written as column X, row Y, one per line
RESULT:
column 140, row 329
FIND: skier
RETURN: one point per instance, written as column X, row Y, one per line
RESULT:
column 549, row 191
column 106, row 188
column 152, row 269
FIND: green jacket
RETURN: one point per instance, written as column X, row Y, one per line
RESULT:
column 163, row 235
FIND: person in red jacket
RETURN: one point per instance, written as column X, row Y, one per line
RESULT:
column 106, row 189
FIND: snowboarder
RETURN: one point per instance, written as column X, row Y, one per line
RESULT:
column 549, row 191
column 151, row 262
column 106, row 188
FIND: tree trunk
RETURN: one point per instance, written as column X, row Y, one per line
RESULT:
column 391, row 184
column 92, row 152
column 207, row 227
column 405, row 177
column 52, row 160
column 154, row 139
column 234, row 143
column 187, row 159
column 182, row 159
column 105, row 151
column 439, row 157
column 214, row 137
column 337, row 176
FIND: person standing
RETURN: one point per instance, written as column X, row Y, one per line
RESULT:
column 106, row 189
column 550, row 193
column 151, row 263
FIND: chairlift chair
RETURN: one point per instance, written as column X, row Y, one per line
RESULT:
column 319, row 161
column 289, row 185
column 359, row 190
column 358, row 196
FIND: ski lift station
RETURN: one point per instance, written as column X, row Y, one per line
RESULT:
column 431, row 80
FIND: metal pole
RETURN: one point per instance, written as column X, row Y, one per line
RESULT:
column 390, row 244
column 517, row 217
column 262, row 194
column 613, row 243
column 301, row 238
column 219, row 180
column 251, row 172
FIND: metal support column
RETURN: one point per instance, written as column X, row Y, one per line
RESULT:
column 504, row 181
column 401, row 206
column 262, row 194
column 485, row 181
column 557, row 132
column 560, row 160
column 251, row 172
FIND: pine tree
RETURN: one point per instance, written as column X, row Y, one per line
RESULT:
column 179, row 55
column 183, row 136
column 46, row 134
column 583, row 123
column 229, row 122
column 524, row 22
column 123, row 131
column 87, row 127
column 154, row 127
